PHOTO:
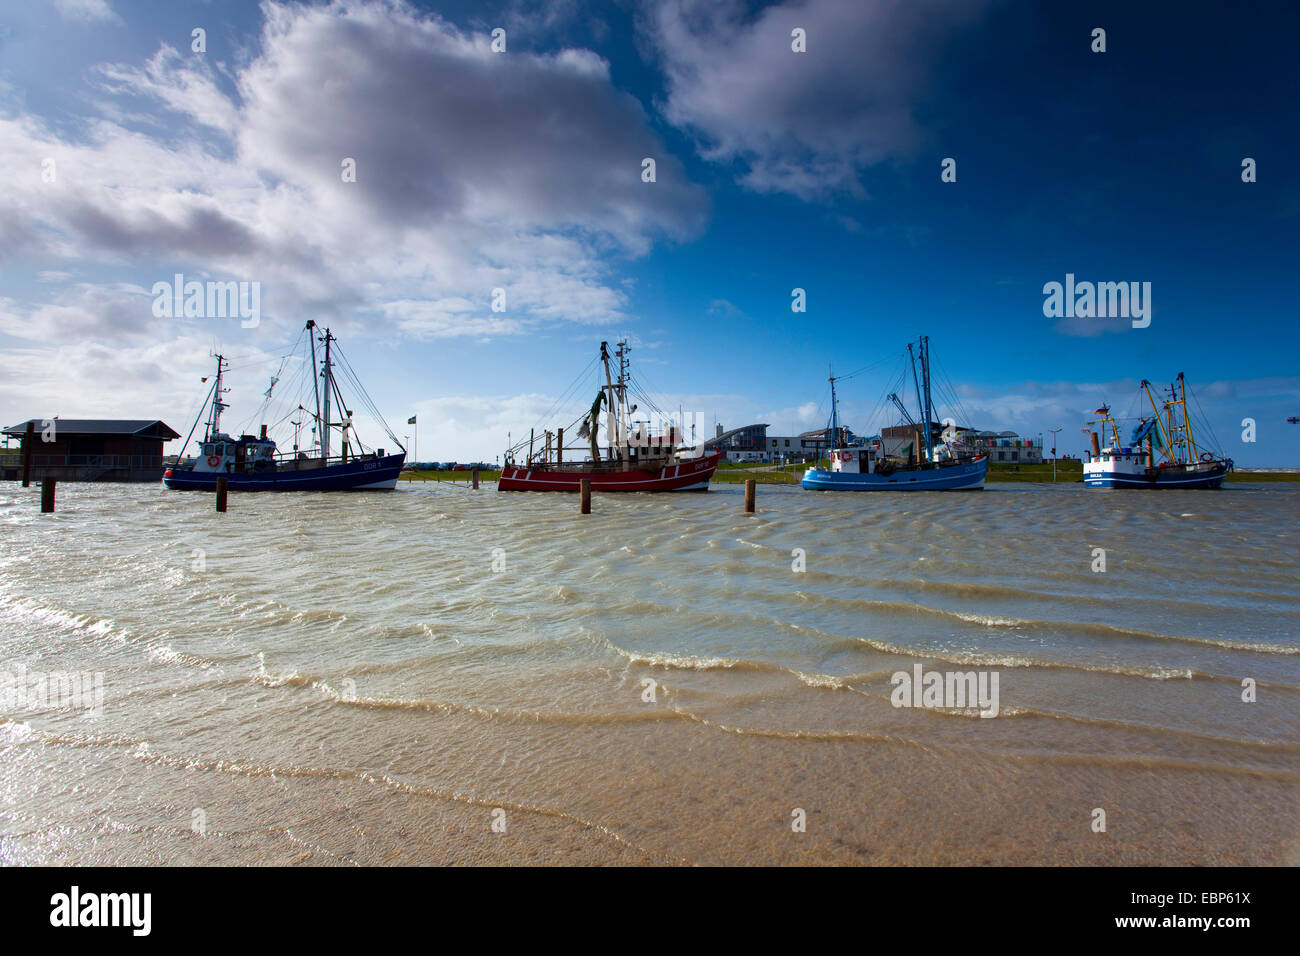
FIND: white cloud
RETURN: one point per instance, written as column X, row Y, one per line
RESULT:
column 86, row 11
column 802, row 123
column 475, row 171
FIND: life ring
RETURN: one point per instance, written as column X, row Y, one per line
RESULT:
column 213, row 461
column 1207, row 456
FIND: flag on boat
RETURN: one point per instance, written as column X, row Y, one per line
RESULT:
column 411, row 420
column 1102, row 411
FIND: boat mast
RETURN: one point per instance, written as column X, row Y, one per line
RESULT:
column 624, row 415
column 1187, row 419
column 835, row 417
column 611, row 413
column 311, row 338
column 1175, row 433
column 925, row 377
column 1146, row 386
column 327, row 374
column 214, row 418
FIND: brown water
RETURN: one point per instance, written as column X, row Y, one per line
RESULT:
column 344, row 679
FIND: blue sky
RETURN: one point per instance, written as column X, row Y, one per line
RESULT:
column 775, row 170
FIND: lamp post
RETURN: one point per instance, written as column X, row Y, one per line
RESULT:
column 1054, row 431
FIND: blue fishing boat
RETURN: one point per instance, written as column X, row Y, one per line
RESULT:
column 1162, row 451
column 949, row 464
column 254, row 463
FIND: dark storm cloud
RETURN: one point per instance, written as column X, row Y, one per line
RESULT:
column 442, row 128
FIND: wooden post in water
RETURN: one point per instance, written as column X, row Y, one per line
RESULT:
column 47, row 496
column 559, row 446
column 29, row 440
column 586, row 496
column 475, row 479
column 750, row 486
column 223, row 485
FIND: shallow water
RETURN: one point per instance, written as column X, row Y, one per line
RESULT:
column 378, row 678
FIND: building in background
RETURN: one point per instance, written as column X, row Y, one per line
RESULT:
column 1008, row 448
column 747, row 443
column 752, row 443
column 84, row 449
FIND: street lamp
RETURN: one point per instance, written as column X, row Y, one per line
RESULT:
column 1054, row 431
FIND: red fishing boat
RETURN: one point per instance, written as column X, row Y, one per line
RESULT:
column 633, row 457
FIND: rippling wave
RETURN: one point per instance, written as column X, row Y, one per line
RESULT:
column 377, row 639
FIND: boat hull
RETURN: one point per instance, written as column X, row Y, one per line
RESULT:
column 968, row 476
column 369, row 474
column 693, row 474
column 1165, row 478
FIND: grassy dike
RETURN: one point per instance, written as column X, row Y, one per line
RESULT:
column 1066, row 471
column 731, row 473
column 465, row 476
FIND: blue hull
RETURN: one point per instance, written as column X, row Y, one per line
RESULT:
column 1208, row 479
column 968, row 476
column 367, row 474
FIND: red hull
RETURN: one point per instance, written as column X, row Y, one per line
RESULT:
column 689, row 475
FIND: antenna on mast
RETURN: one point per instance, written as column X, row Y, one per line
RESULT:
column 835, row 413
column 214, row 418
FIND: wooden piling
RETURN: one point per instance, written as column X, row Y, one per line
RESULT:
column 47, row 496
column 750, row 486
column 29, row 442
column 586, row 496
column 223, row 486
column 475, row 479
column 559, row 447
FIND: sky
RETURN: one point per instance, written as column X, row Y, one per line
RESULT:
column 515, row 178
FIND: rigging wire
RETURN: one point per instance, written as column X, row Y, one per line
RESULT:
column 569, row 393
column 366, row 402
column 1204, row 419
column 202, row 408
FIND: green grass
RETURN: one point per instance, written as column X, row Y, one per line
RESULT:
column 739, row 477
column 1263, row 476
column 448, row 476
column 1065, row 471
